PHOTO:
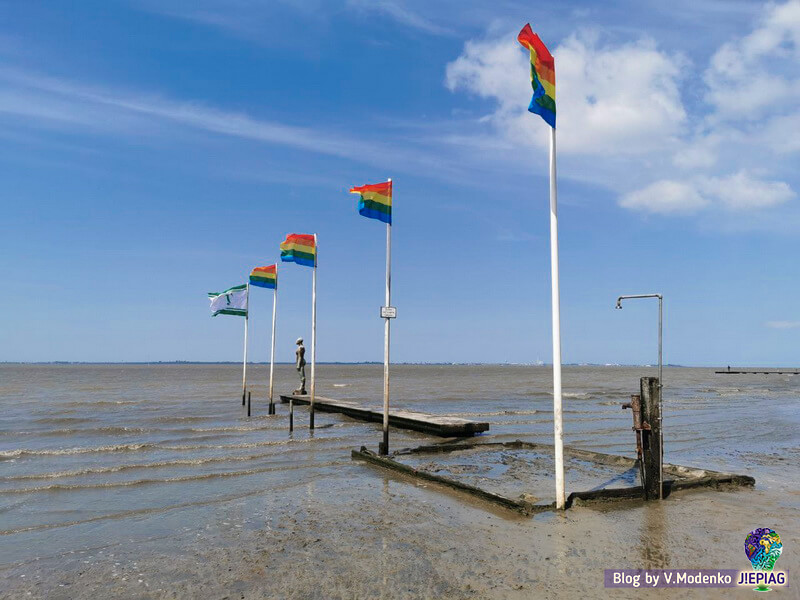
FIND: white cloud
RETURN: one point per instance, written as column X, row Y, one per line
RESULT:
column 738, row 192
column 700, row 153
column 610, row 99
column 758, row 71
column 665, row 197
column 780, row 133
column 741, row 191
column 783, row 324
column 617, row 99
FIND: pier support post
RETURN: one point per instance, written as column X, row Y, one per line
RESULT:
column 248, row 404
column 651, row 438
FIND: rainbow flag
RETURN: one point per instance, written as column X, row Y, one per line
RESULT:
column 300, row 248
column 266, row 277
column 376, row 201
column 543, row 76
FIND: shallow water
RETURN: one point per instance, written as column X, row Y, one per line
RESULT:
column 93, row 456
column 521, row 473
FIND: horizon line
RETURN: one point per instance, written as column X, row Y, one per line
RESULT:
column 366, row 362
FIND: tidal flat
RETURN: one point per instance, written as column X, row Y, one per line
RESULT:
column 146, row 481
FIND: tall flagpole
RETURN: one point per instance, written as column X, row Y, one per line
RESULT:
column 244, row 362
column 272, row 351
column 384, row 449
column 313, row 333
column 557, row 412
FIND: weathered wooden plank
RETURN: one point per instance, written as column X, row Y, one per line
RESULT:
column 527, row 508
column 602, row 495
column 713, row 480
column 404, row 419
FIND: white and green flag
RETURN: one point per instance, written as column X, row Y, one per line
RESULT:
column 232, row 301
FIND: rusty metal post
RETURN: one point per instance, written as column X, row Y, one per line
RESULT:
column 639, row 426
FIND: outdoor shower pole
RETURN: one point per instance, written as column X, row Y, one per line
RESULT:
column 660, row 382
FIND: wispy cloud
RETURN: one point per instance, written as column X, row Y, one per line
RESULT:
column 507, row 235
column 262, row 22
column 49, row 98
column 46, row 101
column 734, row 193
column 401, row 13
column 783, row 324
column 252, row 19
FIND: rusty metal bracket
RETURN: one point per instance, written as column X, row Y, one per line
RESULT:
column 639, row 427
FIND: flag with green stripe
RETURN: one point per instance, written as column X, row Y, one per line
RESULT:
column 232, row 301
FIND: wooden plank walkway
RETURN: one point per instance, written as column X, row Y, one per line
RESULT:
column 404, row 419
column 760, row 372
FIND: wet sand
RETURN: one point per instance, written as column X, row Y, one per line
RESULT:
column 366, row 535
column 309, row 522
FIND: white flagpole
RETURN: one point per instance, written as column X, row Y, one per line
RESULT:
column 384, row 449
column 244, row 362
column 557, row 412
column 272, row 351
column 313, row 333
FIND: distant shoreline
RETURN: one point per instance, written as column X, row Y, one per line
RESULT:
column 421, row 364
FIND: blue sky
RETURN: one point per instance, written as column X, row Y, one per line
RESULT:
column 152, row 151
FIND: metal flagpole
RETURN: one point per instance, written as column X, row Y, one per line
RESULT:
column 558, row 428
column 244, row 363
column 660, row 402
column 313, row 333
column 272, row 351
column 384, row 447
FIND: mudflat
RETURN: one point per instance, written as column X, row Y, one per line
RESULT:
column 148, row 482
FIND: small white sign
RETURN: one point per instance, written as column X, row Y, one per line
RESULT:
column 388, row 312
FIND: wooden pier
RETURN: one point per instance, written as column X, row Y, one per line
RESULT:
column 404, row 419
column 759, row 372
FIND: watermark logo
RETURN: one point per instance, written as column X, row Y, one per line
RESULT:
column 763, row 547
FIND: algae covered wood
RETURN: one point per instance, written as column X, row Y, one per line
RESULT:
column 404, row 419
